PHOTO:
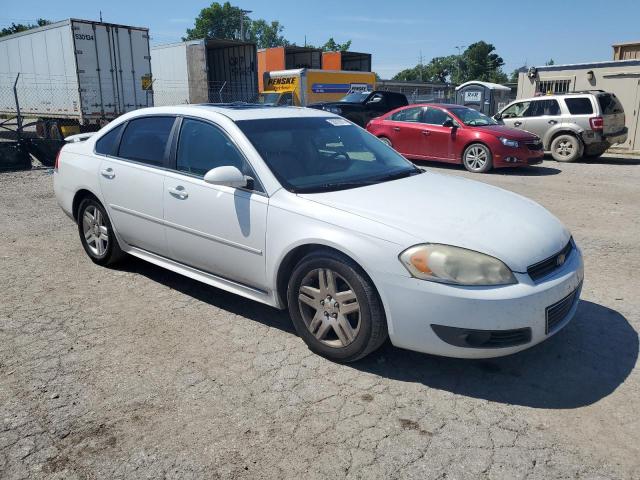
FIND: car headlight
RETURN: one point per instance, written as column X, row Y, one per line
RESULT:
column 448, row 264
column 507, row 142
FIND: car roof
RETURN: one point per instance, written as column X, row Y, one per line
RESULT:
column 234, row 111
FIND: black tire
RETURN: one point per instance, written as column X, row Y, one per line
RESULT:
column 370, row 330
column 477, row 158
column 110, row 251
column 566, row 148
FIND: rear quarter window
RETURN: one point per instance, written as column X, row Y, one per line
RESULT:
column 106, row 144
column 609, row 104
column 579, row 106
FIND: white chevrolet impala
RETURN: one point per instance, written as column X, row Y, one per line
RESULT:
column 302, row 210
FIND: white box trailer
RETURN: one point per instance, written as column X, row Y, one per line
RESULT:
column 200, row 71
column 79, row 71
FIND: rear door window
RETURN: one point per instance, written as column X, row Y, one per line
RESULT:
column 540, row 108
column 408, row 115
column 145, row 140
column 609, row 104
column 579, row 106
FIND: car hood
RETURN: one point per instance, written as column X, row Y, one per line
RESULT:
column 439, row 208
column 508, row 132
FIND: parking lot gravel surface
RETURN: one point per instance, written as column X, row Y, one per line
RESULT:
column 136, row 372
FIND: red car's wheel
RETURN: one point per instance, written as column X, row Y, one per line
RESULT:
column 477, row 158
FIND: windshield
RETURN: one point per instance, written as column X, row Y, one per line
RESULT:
column 317, row 154
column 355, row 97
column 472, row 117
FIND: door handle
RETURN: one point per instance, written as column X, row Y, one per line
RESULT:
column 517, row 124
column 179, row 192
column 397, row 129
column 552, row 122
column 426, row 132
column 108, row 173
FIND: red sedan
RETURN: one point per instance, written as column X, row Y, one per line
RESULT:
column 456, row 134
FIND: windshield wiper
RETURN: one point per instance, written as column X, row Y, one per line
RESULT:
column 399, row 175
column 328, row 187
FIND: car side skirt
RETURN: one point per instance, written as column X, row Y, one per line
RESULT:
column 204, row 277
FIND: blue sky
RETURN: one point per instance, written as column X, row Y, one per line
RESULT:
column 397, row 32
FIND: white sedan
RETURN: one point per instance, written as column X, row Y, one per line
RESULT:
column 302, row 210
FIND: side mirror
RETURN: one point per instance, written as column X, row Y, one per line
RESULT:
column 228, row 176
column 497, row 116
column 449, row 123
column 375, row 100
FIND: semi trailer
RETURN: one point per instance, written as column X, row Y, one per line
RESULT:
column 74, row 74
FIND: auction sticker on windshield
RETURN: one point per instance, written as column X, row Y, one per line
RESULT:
column 338, row 122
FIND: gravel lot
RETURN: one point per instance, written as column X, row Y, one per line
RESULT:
column 136, row 372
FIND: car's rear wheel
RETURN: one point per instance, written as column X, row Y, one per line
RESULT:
column 477, row 158
column 386, row 141
column 566, row 148
column 335, row 307
column 96, row 233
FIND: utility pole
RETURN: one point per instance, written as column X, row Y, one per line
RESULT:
column 243, row 13
column 420, row 66
column 100, row 16
column 459, row 48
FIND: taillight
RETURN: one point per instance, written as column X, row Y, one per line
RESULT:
column 597, row 123
column 57, row 164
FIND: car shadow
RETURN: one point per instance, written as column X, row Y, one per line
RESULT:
column 524, row 171
column 610, row 160
column 580, row 365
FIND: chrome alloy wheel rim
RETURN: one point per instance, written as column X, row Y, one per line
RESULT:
column 564, row 148
column 329, row 307
column 476, row 158
column 386, row 141
column 95, row 230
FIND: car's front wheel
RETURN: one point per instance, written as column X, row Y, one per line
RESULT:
column 96, row 233
column 477, row 158
column 335, row 307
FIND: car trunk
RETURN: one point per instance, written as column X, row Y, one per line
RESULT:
column 612, row 113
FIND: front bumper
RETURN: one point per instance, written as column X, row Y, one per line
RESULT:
column 517, row 157
column 413, row 306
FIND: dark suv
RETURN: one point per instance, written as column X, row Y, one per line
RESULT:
column 361, row 107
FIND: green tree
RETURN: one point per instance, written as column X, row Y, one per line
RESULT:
column 332, row 46
column 267, row 35
column 20, row 27
column 218, row 21
column 550, row 62
column 480, row 62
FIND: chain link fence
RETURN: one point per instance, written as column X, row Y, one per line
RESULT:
column 420, row 92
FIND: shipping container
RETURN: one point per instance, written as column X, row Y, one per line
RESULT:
column 76, row 70
column 287, row 58
column 200, row 71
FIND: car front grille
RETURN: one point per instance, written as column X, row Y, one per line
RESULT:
column 535, row 146
column 549, row 265
column 557, row 313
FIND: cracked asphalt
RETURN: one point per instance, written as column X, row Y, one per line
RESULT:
column 136, row 372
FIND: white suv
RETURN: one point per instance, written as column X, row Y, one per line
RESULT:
column 301, row 209
column 570, row 125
